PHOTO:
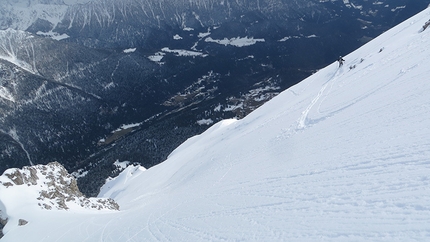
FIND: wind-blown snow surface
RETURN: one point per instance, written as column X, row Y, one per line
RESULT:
column 342, row 156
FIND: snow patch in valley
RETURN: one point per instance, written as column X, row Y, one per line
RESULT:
column 130, row 50
column 237, row 42
column 218, row 108
column 297, row 37
column 288, row 38
column 177, row 37
column 121, row 164
column 230, row 108
column 79, row 173
column 203, row 35
column 205, row 122
column 183, row 52
column 157, row 57
column 398, row 8
column 109, row 86
column 127, row 126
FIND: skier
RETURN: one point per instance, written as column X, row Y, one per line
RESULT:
column 341, row 60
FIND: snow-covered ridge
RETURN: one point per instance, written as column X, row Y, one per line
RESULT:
column 16, row 47
column 110, row 189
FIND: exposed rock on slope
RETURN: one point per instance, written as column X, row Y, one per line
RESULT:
column 42, row 187
column 2, row 224
column 50, row 187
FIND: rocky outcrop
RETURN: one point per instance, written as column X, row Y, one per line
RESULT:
column 22, row 222
column 2, row 224
column 55, row 187
column 425, row 26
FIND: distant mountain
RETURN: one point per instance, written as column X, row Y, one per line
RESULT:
column 87, row 83
column 49, row 187
column 341, row 156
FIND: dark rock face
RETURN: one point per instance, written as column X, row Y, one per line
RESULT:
column 22, row 222
column 133, row 79
column 3, row 222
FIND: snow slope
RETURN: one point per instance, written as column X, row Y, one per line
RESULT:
column 342, row 156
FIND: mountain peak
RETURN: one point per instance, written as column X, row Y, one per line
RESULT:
column 16, row 47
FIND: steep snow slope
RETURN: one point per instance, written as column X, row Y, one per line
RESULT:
column 342, row 156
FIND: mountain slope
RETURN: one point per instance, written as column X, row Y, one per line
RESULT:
column 74, row 73
column 341, row 156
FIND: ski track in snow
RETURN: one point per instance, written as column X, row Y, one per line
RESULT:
column 303, row 121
